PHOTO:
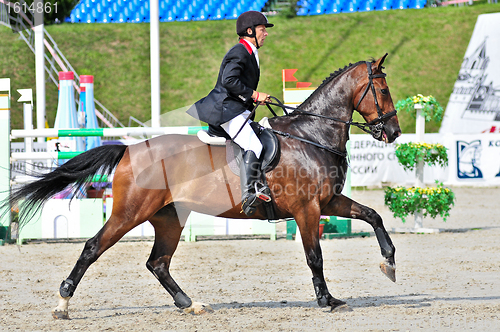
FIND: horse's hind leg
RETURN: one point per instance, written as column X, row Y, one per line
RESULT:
column 168, row 224
column 123, row 219
column 345, row 207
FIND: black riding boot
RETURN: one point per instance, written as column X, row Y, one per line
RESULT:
column 253, row 191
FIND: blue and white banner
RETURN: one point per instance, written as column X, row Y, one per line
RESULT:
column 474, row 160
column 474, row 105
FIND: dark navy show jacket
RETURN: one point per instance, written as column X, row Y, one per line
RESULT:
column 232, row 95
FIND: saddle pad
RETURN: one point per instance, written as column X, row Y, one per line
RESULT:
column 212, row 140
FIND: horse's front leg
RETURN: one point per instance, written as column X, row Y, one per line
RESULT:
column 308, row 223
column 342, row 206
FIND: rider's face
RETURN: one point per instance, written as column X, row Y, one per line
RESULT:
column 260, row 34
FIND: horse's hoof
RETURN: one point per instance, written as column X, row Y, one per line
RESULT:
column 323, row 302
column 60, row 314
column 198, row 308
column 341, row 308
column 389, row 270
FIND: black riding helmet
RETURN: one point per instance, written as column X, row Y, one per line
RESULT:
column 251, row 19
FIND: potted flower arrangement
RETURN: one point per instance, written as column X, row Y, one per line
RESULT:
column 322, row 221
column 422, row 201
column 431, row 109
column 431, row 201
column 409, row 154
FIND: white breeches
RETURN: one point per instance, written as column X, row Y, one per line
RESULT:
column 246, row 139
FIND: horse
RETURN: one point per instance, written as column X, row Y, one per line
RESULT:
column 163, row 179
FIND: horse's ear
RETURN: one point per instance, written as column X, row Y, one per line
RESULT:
column 378, row 64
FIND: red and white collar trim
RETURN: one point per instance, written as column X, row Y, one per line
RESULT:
column 248, row 46
column 251, row 49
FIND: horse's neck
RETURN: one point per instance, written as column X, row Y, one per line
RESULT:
column 334, row 99
column 335, row 102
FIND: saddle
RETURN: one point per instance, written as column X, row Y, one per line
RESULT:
column 270, row 153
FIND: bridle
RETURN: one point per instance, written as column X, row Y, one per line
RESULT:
column 373, row 127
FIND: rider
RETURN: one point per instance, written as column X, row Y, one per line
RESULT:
column 228, row 105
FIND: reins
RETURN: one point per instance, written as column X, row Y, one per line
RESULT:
column 366, row 127
column 373, row 127
column 288, row 135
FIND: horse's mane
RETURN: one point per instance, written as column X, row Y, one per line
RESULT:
column 332, row 76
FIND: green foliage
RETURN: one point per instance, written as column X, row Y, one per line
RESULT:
column 431, row 109
column 290, row 10
column 324, row 219
column 431, row 201
column 410, row 153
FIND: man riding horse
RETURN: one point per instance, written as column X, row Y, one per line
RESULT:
column 227, row 107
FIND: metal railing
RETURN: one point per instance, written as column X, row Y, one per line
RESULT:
column 55, row 61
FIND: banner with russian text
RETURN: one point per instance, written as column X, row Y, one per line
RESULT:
column 474, row 160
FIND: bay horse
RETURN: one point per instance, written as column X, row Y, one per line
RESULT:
column 161, row 180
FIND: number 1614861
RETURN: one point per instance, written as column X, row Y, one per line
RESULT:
column 36, row 7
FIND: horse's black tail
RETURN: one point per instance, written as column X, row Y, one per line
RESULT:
column 76, row 173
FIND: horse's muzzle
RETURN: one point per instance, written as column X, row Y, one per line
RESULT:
column 390, row 132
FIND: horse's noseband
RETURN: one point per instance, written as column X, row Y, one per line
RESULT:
column 375, row 126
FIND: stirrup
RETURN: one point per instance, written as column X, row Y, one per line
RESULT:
column 263, row 194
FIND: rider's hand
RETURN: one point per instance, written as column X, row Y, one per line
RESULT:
column 260, row 97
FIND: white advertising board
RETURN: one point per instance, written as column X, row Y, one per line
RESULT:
column 474, row 105
column 474, row 160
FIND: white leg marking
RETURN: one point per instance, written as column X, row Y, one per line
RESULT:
column 61, row 311
column 199, row 308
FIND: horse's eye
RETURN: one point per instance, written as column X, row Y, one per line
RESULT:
column 384, row 91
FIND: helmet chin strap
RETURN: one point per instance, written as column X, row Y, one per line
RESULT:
column 254, row 35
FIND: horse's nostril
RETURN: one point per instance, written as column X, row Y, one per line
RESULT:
column 397, row 133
